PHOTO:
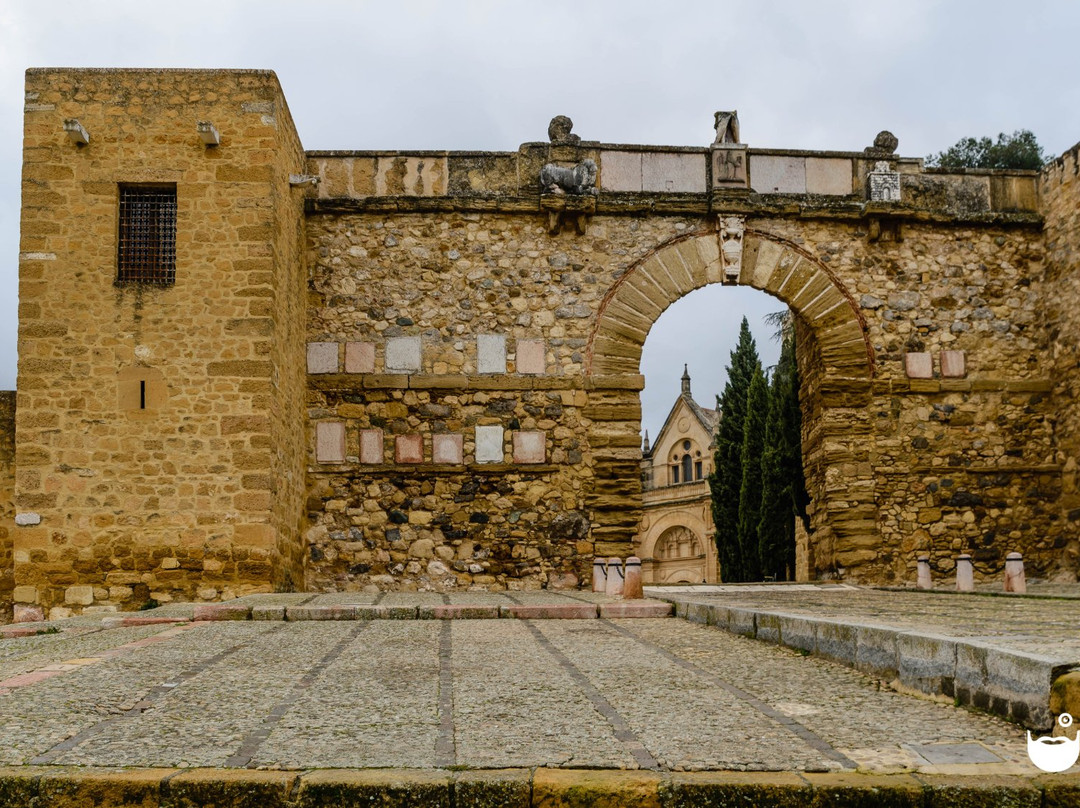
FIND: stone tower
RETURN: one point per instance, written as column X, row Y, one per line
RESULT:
column 161, row 339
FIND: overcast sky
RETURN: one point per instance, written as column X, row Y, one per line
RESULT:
column 490, row 75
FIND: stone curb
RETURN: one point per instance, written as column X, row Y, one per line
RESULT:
column 125, row 622
column 1013, row 684
column 555, row 611
column 71, row 787
column 448, row 611
column 635, row 609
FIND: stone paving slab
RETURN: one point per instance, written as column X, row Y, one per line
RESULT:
column 656, row 695
column 994, row 653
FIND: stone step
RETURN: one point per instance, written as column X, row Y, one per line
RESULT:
column 1011, row 683
column 65, row 787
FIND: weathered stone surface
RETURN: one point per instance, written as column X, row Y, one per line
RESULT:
column 919, row 365
column 322, row 357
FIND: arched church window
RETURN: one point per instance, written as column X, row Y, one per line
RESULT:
column 697, row 470
column 675, row 474
column 686, row 445
column 687, row 468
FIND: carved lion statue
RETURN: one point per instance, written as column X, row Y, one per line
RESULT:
column 577, row 181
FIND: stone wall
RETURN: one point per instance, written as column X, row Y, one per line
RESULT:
column 7, row 502
column 186, row 492
column 424, row 372
column 898, row 466
column 1061, row 202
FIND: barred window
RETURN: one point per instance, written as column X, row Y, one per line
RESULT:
column 147, row 238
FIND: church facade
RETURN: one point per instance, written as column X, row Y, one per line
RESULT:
column 676, row 541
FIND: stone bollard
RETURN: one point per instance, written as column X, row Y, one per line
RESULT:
column 599, row 575
column 632, row 588
column 1014, row 574
column 965, row 574
column 614, row 577
column 923, row 580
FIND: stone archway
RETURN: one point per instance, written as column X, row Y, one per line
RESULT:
column 836, row 360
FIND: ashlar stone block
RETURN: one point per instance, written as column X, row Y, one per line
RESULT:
column 491, row 353
column 403, row 354
column 620, row 171
column 531, row 356
column 953, row 364
column 322, row 357
column 673, row 172
column 919, row 365
column 330, row 442
column 489, row 444
column 359, row 357
column 371, row 446
column 829, row 175
column 530, row 446
column 447, row 448
column 778, row 174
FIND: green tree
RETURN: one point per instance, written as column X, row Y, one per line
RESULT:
column 726, row 478
column 1018, row 150
column 783, row 487
column 750, row 502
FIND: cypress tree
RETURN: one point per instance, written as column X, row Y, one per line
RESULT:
column 726, row 478
column 784, row 496
column 776, row 508
column 750, row 504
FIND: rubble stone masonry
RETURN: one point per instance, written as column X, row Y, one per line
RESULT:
column 422, row 373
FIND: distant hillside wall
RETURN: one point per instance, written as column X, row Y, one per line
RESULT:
column 1061, row 203
column 7, row 501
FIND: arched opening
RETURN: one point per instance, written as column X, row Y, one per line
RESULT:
column 835, row 361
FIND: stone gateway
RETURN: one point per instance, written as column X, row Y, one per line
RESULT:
column 244, row 366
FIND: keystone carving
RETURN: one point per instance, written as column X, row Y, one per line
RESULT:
column 731, row 244
column 577, row 181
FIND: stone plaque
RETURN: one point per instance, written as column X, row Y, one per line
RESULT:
column 884, row 184
column 491, row 353
column 403, row 354
column 409, row 449
column 330, row 442
column 530, row 447
column 489, row 444
column 359, row 357
column 919, row 365
column 729, row 166
column 371, row 446
column 953, row 364
column 531, row 356
column 322, row 357
column 446, row 448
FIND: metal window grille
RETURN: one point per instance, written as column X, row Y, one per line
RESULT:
column 147, row 243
